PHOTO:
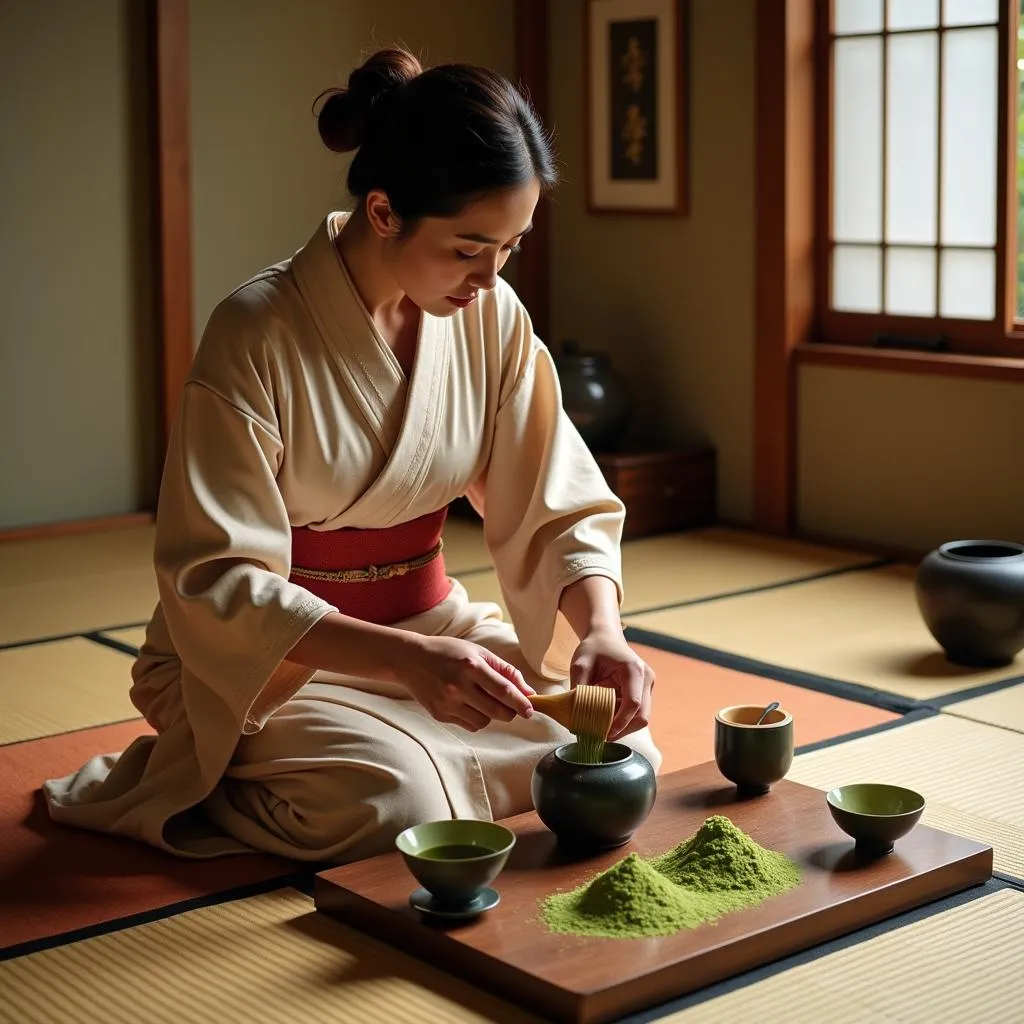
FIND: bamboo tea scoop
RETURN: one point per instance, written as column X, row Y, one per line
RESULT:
column 767, row 711
column 585, row 711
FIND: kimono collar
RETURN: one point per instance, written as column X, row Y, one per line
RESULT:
column 405, row 415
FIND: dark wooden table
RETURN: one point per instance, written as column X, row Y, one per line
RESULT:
column 583, row 980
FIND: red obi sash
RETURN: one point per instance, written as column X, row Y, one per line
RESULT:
column 379, row 576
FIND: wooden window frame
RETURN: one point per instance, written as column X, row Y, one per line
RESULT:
column 998, row 337
column 791, row 234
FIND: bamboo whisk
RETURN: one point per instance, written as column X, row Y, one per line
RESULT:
column 586, row 711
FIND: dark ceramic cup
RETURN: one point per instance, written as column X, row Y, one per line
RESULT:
column 594, row 806
column 753, row 756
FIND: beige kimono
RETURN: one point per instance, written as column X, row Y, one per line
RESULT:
column 297, row 413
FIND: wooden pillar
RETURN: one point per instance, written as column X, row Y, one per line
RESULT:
column 532, row 44
column 173, row 205
column 785, row 116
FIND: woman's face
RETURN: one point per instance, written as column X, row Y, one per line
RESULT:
column 447, row 261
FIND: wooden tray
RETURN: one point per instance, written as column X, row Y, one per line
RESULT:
column 584, row 980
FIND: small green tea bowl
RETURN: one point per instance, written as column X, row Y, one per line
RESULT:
column 456, row 860
column 875, row 815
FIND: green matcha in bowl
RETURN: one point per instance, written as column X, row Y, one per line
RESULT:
column 455, row 861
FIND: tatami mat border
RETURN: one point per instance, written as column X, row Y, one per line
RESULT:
column 979, row 691
column 108, row 641
column 477, row 571
column 302, row 880
column 71, row 732
column 845, row 570
column 95, row 634
column 88, row 635
column 713, row 655
column 815, row 953
column 767, row 670
column 823, row 684
column 911, row 716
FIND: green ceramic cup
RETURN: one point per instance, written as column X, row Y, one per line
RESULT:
column 455, row 860
column 875, row 815
column 753, row 756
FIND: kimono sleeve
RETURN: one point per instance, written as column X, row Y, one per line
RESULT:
column 223, row 555
column 550, row 517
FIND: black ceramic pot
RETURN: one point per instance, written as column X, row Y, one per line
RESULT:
column 971, row 596
column 594, row 396
column 594, row 806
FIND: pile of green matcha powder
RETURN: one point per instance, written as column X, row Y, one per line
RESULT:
column 715, row 871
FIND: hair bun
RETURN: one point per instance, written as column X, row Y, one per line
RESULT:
column 343, row 119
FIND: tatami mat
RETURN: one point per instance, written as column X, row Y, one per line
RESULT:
column 64, row 878
column 32, row 611
column 75, row 584
column 60, row 559
column 63, row 585
column 719, row 560
column 95, row 581
column 483, row 586
column 262, row 960
column 67, row 684
column 85, row 555
column 1004, row 708
column 959, row 966
column 134, row 636
column 57, row 879
column 859, row 627
column 687, row 693
column 464, row 546
column 969, row 774
column 681, row 567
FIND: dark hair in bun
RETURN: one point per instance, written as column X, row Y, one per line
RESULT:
column 434, row 140
column 343, row 118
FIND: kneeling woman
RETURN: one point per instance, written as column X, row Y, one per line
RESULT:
column 315, row 679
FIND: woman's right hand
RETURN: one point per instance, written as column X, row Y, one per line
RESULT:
column 462, row 683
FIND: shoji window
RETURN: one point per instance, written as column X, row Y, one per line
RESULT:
column 917, row 173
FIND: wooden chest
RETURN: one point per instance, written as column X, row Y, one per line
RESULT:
column 663, row 491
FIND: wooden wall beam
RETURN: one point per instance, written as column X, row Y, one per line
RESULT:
column 532, row 50
column 168, row 83
column 784, row 247
column 173, row 205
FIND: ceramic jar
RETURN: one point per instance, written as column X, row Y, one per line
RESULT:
column 594, row 806
column 594, row 396
column 971, row 596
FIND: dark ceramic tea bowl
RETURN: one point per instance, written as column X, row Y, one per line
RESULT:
column 594, row 806
column 753, row 756
column 875, row 815
column 455, row 861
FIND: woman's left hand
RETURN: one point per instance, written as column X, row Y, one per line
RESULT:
column 604, row 658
